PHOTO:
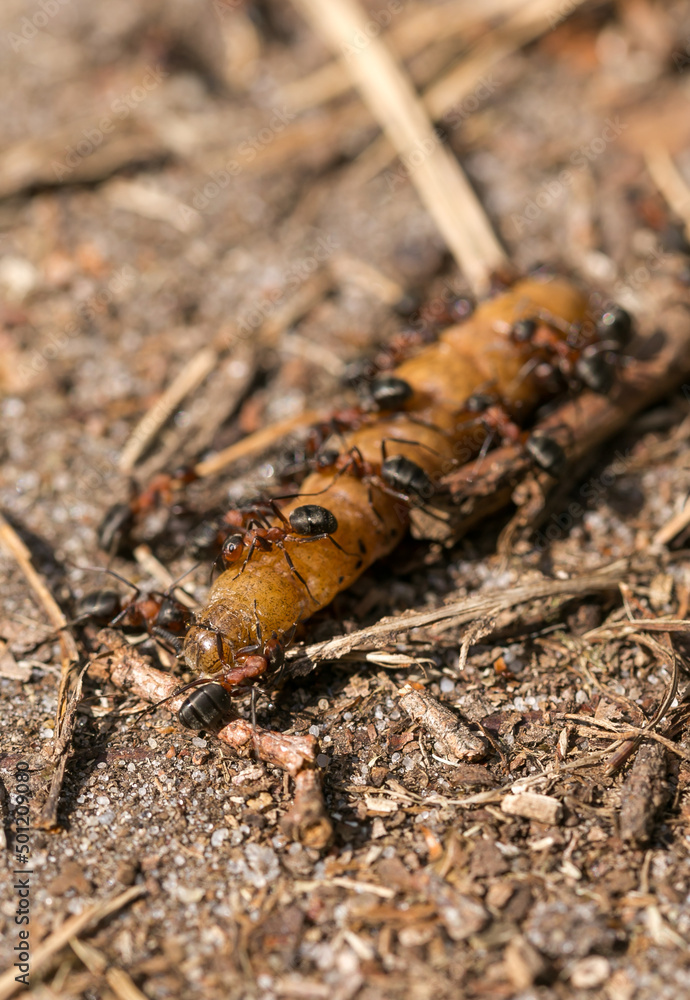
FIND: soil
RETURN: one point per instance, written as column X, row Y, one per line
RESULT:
column 160, row 195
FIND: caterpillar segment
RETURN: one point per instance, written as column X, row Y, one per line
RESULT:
column 386, row 465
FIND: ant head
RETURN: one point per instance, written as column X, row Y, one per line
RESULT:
column 114, row 526
column 172, row 614
column 389, row 393
column 203, row 539
column 479, row 402
column 327, row 457
column 233, row 547
column 523, row 331
column 546, row 452
column 616, row 326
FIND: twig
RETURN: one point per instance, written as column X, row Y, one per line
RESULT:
column 670, row 182
column 97, row 963
column 626, row 731
column 189, row 378
column 529, row 22
column 69, row 691
column 439, row 180
column 420, row 27
column 455, row 737
column 47, row 817
column 460, row 612
column 71, row 928
column 148, row 562
column 673, row 526
column 260, row 441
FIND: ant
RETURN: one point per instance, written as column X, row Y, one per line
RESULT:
column 493, row 416
column 383, row 394
column 399, row 476
column 210, row 704
column 308, row 523
column 161, row 615
column 592, row 365
column 121, row 518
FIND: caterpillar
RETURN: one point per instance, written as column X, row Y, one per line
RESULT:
column 433, row 412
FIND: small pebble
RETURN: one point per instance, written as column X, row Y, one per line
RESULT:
column 590, row 972
column 218, row 836
column 198, row 742
column 447, row 685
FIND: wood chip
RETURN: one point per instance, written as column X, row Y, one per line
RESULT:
column 644, row 794
column 529, row 805
column 524, row 965
column 456, row 738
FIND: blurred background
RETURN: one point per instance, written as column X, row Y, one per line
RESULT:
column 192, row 194
column 181, row 175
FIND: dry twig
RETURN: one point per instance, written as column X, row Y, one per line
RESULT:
column 69, row 691
column 441, row 184
column 71, row 928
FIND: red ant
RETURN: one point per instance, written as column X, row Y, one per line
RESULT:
column 308, row 523
column 161, row 615
column 399, row 476
column 162, row 490
column 591, row 365
column 210, row 704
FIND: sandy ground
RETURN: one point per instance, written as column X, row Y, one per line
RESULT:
column 159, row 195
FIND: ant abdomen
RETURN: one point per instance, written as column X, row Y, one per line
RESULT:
column 207, row 707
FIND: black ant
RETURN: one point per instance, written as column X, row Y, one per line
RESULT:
column 592, row 365
column 120, row 519
column 308, row 523
column 159, row 614
column 210, row 704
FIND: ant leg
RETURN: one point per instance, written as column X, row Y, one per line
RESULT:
column 220, row 651
column 370, row 499
column 277, row 512
column 300, row 539
column 317, row 493
column 416, row 444
column 295, row 572
column 258, row 646
column 486, row 444
column 247, row 558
